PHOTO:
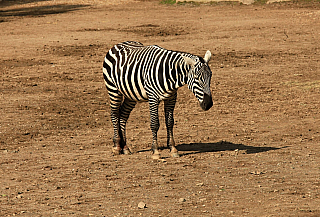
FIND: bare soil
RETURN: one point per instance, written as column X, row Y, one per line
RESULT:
column 256, row 152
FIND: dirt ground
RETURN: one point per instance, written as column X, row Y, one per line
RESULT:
column 256, row 152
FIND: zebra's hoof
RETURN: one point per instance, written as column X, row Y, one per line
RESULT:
column 126, row 151
column 175, row 154
column 116, row 151
column 155, row 156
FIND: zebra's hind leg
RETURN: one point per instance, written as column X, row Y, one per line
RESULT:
column 154, row 124
column 168, row 110
column 116, row 99
column 115, row 103
column 125, row 111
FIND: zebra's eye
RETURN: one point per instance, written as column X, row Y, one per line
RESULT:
column 199, row 71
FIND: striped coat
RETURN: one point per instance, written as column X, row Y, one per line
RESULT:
column 134, row 72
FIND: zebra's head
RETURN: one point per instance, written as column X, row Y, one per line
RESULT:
column 199, row 77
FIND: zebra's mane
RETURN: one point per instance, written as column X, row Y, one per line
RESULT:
column 139, row 45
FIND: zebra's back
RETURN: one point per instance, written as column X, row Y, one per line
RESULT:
column 134, row 69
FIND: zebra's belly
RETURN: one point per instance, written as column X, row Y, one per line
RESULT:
column 142, row 96
column 135, row 94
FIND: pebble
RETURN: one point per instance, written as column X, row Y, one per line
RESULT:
column 218, row 155
column 203, row 199
column 142, row 205
column 181, row 200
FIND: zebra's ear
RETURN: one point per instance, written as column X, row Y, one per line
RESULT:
column 189, row 61
column 207, row 56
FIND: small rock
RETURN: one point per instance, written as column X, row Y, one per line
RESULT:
column 218, row 155
column 181, row 200
column 142, row 205
column 200, row 184
column 203, row 199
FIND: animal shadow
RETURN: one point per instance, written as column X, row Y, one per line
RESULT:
column 195, row 148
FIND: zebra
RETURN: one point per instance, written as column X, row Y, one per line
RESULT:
column 135, row 73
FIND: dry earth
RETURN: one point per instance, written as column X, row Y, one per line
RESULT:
column 255, row 153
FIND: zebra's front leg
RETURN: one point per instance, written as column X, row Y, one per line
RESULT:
column 154, row 124
column 169, row 105
column 125, row 111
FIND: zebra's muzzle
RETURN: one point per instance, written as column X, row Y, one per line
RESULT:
column 207, row 103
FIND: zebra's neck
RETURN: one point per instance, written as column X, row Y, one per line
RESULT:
column 182, row 70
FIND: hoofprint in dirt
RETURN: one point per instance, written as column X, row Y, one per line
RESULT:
column 255, row 153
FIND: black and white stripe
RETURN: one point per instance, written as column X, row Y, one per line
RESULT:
column 134, row 72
